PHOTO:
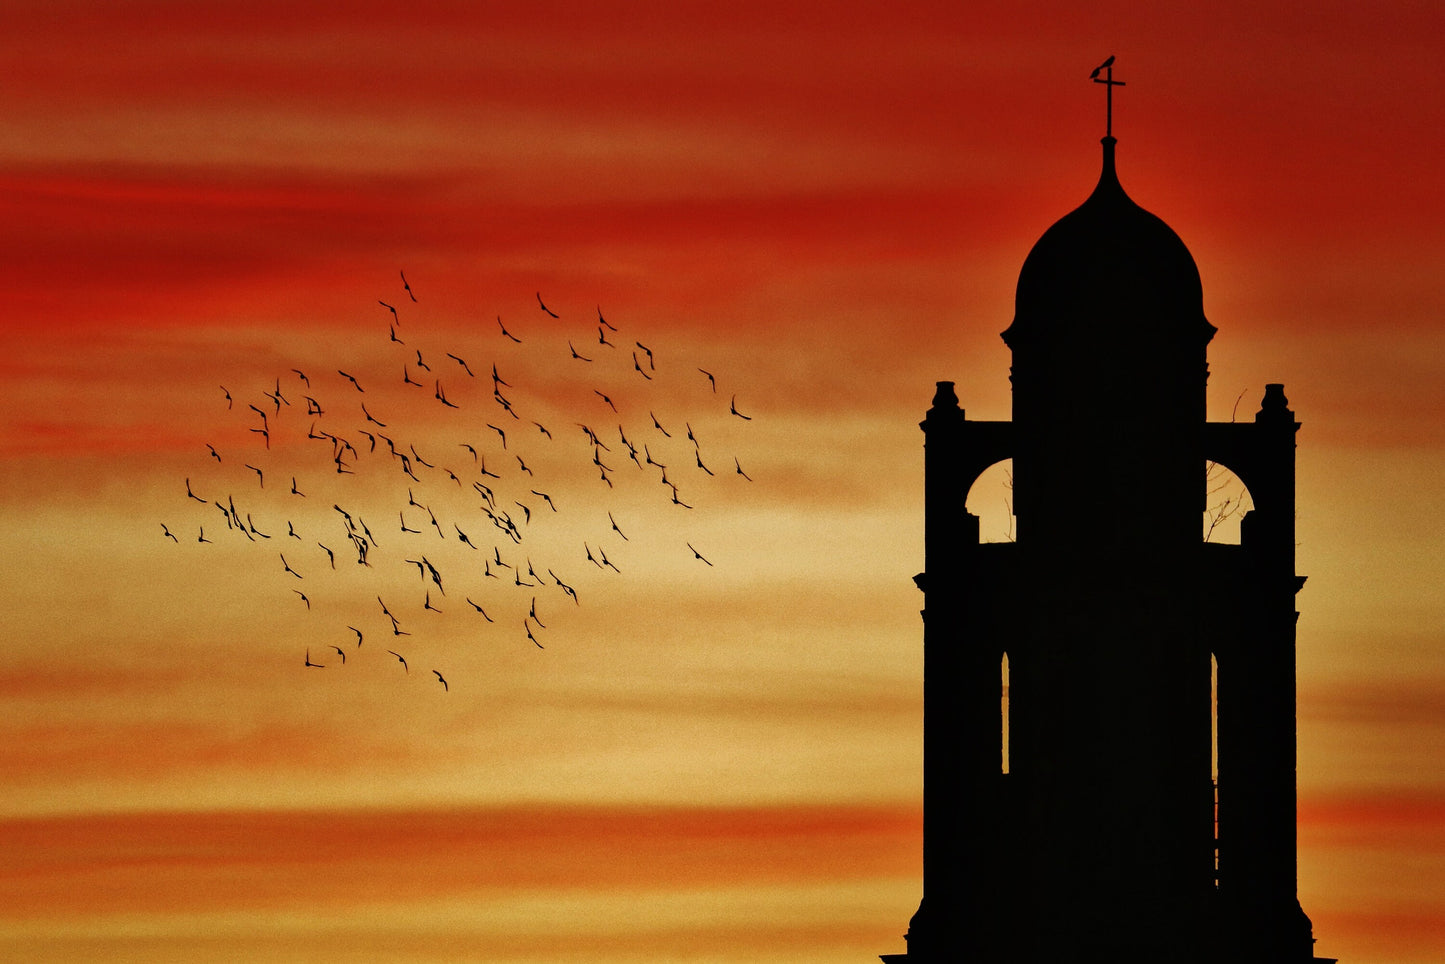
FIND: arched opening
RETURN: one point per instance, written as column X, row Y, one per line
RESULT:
column 991, row 498
column 1003, row 713
column 1226, row 500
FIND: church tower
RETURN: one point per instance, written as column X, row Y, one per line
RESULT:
column 1143, row 809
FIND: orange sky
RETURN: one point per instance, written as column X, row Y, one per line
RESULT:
column 826, row 206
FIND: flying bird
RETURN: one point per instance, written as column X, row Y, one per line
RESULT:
column 407, row 286
column 544, row 306
column 342, row 653
column 311, row 665
column 740, row 469
column 401, row 659
column 464, row 365
column 733, row 408
column 445, row 688
column 169, row 534
column 303, row 597
column 575, row 353
column 697, row 554
column 601, row 320
column 711, row 381
column 615, row 529
column 352, row 379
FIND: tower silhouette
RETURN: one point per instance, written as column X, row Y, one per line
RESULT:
column 1135, row 654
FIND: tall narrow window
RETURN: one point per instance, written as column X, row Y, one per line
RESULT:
column 1214, row 752
column 1003, row 712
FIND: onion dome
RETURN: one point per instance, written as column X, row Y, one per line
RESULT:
column 1109, row 268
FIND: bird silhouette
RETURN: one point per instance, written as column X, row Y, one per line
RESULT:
column 544, row 305
column 407, row 286
column 445, row 688
column 401, row 659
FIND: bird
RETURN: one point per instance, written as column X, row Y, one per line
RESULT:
column 259, row 474
column 329, row 555
column 534, row 613
column 370, row 417
column 401, row 659
column 528, row 628
column 352, row 379
column 733, row 408
column 697, row 554
column 421, row 364
column 615, row 529
column 191, row 494
column 445, row 688
column 650, row 361
column 287, row 566
column 406, row 378
column 575, row 353
column 545, row 498
column 602, row 338
column 601, row 320
column 202, row 537
column 342, row 653
column 213, row 451
column 169, row 535
column 464, row 365
column 544, row 306
column 700, row 465
column 498, row 379
column 499, row 432
column 394, row 337
column 294, row 490
column 390, row 309
column 480, row 610
column 470, row 449
column 442, row 397
column 358, row 634
column 407, row 286
column 605, row 399
column 303, row 597
column 740, row 469
column 1106, row 64
column 227, row 393
column 311, row 665
column 543, row 429
column 711, row 380
column 640, row 370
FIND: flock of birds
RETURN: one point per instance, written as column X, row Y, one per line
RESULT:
column 511, row 477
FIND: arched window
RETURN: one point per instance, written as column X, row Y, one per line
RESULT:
column 991, row 498
column 1226, row 500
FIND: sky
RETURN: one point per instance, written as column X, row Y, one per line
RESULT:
column 808, row 214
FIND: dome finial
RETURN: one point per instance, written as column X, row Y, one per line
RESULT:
column 1109, row 84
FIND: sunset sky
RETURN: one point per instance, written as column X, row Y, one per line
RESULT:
column 713, row 755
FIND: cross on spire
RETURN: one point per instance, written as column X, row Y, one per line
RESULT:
column 1107, row 67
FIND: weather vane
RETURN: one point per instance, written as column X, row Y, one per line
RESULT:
column 1110, row 83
